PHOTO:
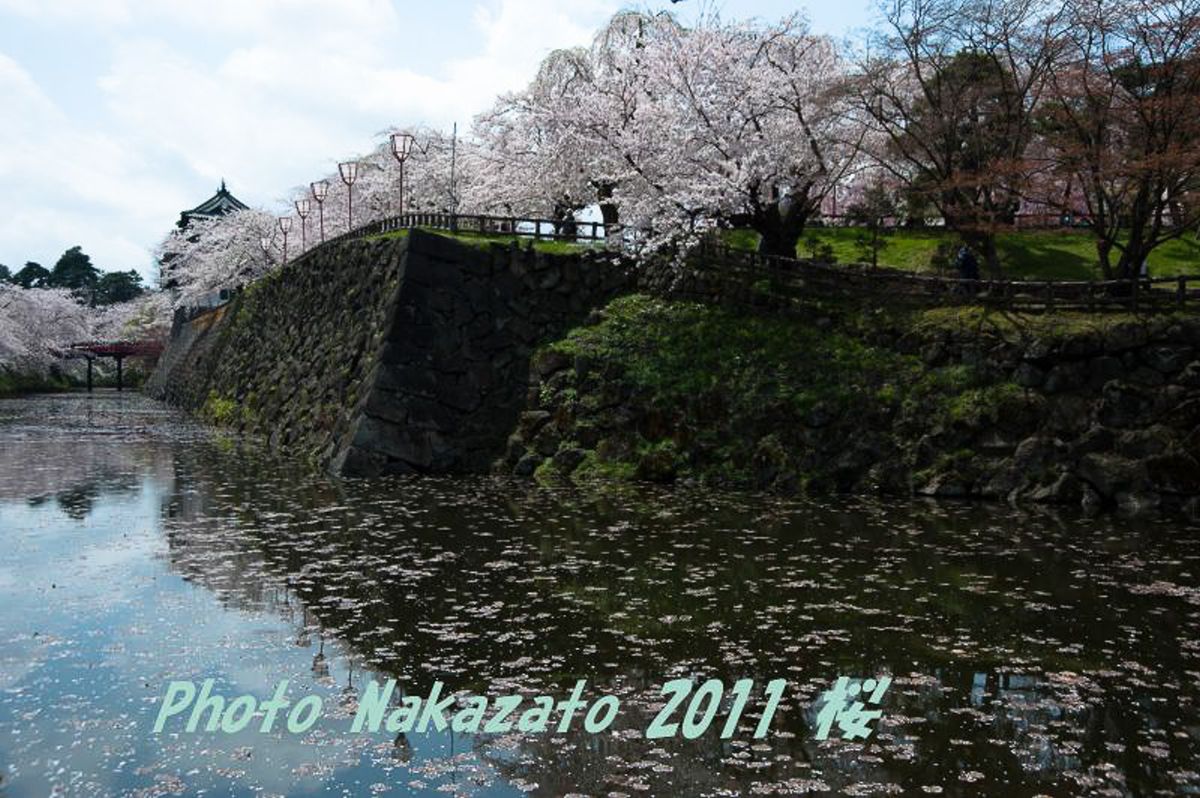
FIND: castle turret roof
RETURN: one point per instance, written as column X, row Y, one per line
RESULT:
column 218, row 204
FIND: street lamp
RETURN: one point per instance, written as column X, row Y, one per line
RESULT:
column 265, row 243
column 303, row 209
column 320, row 190
column 349, row 173
column 285, row 226
column 402, row 145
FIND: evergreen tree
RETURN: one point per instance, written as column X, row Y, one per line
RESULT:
column 114, row 287
column 34, row 275
column 75, row 272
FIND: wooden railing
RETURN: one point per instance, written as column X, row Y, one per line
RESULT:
column 716, row 268
column 142, row 348
column 713, row 267
column 516, row 226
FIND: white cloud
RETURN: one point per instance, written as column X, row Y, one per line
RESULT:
column 104, row 12
column 268, row 94
column 68, row 184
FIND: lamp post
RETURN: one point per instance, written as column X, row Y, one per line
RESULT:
column 265, row 243
column 320, row 190
column 349, row 172
column 402, row 144
column 303, row 209
column 285, row 226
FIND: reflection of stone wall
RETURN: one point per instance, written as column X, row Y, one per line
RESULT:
column 388, row 356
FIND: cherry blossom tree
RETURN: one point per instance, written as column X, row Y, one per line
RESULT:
column 443, row 173
column 676, row 129
column 571, row 137
column 223, row 252
column 743, row 124
column 146, row 317
column 38, row 325
column 951, row 89
column 35, row 324
column 1121, row 125
column 608, row 119
column 531, row 158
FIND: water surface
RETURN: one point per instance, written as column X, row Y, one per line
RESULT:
column 1032, row 654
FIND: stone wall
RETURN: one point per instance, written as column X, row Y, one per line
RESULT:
column 413, row 355
column 392, row 356
column 289, row 359
column 178, row 377
column 1107, row 416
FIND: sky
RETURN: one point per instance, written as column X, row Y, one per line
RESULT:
column 115, row 115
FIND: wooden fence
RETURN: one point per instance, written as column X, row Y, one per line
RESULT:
column 516, row 226
column 714, row 268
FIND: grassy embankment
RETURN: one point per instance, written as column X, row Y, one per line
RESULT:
column 18, row 384
column 718, row 391
column 1032, row 255
column 678, row 390
column 12, row 384
column 1040, row 254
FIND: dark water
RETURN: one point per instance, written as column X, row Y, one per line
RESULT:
column 1031, row 654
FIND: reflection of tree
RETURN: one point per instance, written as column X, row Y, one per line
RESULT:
column 83, row 455
column 77, row 502
column 490, row 587
column 95, row 480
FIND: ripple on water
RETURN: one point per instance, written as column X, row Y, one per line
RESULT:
column 1030, row 654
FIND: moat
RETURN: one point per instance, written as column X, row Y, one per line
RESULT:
column 1032, row 653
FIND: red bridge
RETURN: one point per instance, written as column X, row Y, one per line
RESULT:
column 117, row 350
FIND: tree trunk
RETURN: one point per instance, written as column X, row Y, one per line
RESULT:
column 1104, row 256
column 775, row 242
column 609, row 213
column 991, row 255
column 1130, row 265
column 780, row 225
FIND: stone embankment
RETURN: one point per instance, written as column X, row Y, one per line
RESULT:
column 407, row 354
column 1102, row 417
column 423, row 353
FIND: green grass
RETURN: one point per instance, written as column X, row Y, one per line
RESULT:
column 678, row 351
column 730, row 396
column 220, row 410
column 389, row 236
column 1017, row 326
column 484, row 240
column 1031, row 255
column 17, row 384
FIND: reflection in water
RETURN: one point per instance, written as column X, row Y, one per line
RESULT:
column 1030, row 655
column 71, row 450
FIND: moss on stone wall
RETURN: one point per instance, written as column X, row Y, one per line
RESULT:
column 424, row 354
column 856, row 399
column 287, row 359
